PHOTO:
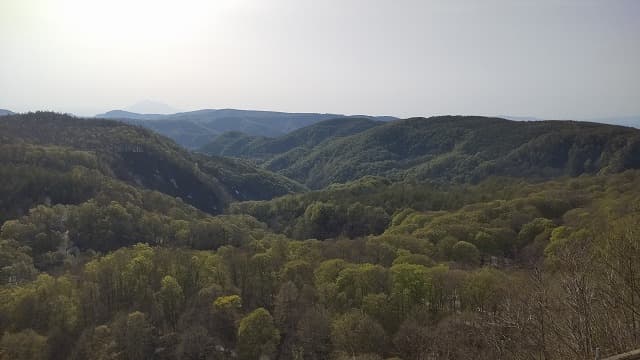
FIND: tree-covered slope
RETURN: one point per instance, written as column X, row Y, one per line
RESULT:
column 467, row 148
column 262, row 148
column 474, row 279
column 139, row 156
column 194, row 129
column 402, row 270
column 95, row 266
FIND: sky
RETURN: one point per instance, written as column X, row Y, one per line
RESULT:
column 561, row 59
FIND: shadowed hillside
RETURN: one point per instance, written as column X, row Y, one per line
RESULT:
column 463, row 149
column 95, row 264
column 194, row 129
column 138, row 156
column 237, row 144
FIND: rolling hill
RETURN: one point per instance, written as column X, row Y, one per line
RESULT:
column 629, row 121
column 97, row 253
column 194, row 129
column 455, row 148
column 237, row 144
column 140, row 157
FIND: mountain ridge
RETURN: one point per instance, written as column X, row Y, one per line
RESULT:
column 193, row 129
column 141, row 157
column 462, row 149
column 237, row 144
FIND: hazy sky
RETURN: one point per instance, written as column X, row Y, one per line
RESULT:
column 550, row 59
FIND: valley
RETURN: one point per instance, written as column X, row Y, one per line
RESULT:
column 345, row 238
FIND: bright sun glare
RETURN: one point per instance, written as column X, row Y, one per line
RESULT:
column 130, row 22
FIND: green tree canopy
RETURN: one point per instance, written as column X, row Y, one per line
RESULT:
column 257, row 335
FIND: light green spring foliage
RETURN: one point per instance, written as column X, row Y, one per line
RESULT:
column 227, row 302
column 257, row 335
column 25, row 345
column 93, row 267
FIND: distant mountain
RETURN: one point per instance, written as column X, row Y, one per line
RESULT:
column 122, row 114
column 6, row 112
column 237, row 144
column 630, row 121
column 140, row 157
column 458, row 149
column 194, row 129
column 151, row 107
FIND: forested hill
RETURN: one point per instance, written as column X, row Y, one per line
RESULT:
column 194, row 129
column 465, row 149
column 94, row 265
column 5, row 112
column 140, row 157
column 303, row 140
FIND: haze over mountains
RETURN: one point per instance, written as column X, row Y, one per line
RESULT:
column 459, row 149
column 195, row 128
column 151, row 107
column 446, row 148
column 186, row 227
column 455, row 209
column 630, row 121
column 140, row 157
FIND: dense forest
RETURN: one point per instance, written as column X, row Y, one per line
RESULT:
column 458, row 238
column 137, row 156
column 444, row 148
column 193, row 129
column 238, row 144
